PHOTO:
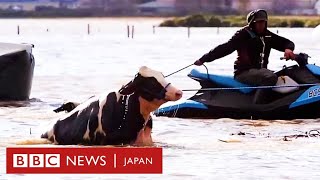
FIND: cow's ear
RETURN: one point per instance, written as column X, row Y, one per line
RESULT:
column 131, row 87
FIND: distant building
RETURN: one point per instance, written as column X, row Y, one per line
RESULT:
column 157, row 7
column 188, row 6
column 170, row 7
column 244, row 6
column 185, row 6
column 217, row 6
column 26, row 5
column 294, row 7
column 111, row 6
column 120, row 6
column 31, row 5
column 87, row 4
column 70, row 4
column 317, row 7
column 207, row 6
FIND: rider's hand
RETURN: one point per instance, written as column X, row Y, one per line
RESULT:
column 288, row 54
column 198, row 63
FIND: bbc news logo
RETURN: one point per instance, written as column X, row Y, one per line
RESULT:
column 84, row 160
column 36, row 160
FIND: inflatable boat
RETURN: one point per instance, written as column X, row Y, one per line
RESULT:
column 295, row 96
column 16, row 71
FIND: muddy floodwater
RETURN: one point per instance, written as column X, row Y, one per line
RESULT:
column 72, row 65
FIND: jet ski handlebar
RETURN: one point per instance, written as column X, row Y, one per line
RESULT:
column 301, row 59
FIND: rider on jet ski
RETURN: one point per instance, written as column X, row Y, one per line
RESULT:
column 253, row 44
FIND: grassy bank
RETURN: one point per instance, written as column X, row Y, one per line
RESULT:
column 239, row 21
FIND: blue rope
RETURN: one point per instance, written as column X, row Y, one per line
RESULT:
column 250, row 87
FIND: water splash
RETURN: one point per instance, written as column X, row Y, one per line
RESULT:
column 33, row 142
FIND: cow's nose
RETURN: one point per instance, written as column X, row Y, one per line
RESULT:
column 179, row 94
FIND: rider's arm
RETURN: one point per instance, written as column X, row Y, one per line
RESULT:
column 280, row 43
column 226, row 48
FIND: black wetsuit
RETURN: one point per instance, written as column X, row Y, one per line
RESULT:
column 250, row 47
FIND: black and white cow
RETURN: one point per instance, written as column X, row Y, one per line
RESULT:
column 121, row 117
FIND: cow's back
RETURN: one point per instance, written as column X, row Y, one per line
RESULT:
column 72, row 129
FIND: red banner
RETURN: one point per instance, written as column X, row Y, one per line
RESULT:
column 84, row 160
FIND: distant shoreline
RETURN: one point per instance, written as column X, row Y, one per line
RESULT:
column 70, row 13
column 90, row 17
column 197, row 20
column 200, row 20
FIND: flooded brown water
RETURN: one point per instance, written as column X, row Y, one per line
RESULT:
column 71, row 65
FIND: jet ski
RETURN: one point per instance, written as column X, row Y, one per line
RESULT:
column 16, row 71
column 295, row 96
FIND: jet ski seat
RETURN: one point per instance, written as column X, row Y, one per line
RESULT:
column 314, row 69
column 229, row 81
column 224, row 81
column 286, row 81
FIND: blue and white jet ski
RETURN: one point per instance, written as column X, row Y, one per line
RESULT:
column 296, row 96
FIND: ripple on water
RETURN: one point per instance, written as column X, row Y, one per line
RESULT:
column 88, row 65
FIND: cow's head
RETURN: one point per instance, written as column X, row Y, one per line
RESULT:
column 152, row 86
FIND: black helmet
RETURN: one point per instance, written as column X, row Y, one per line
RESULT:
column 257, row 15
